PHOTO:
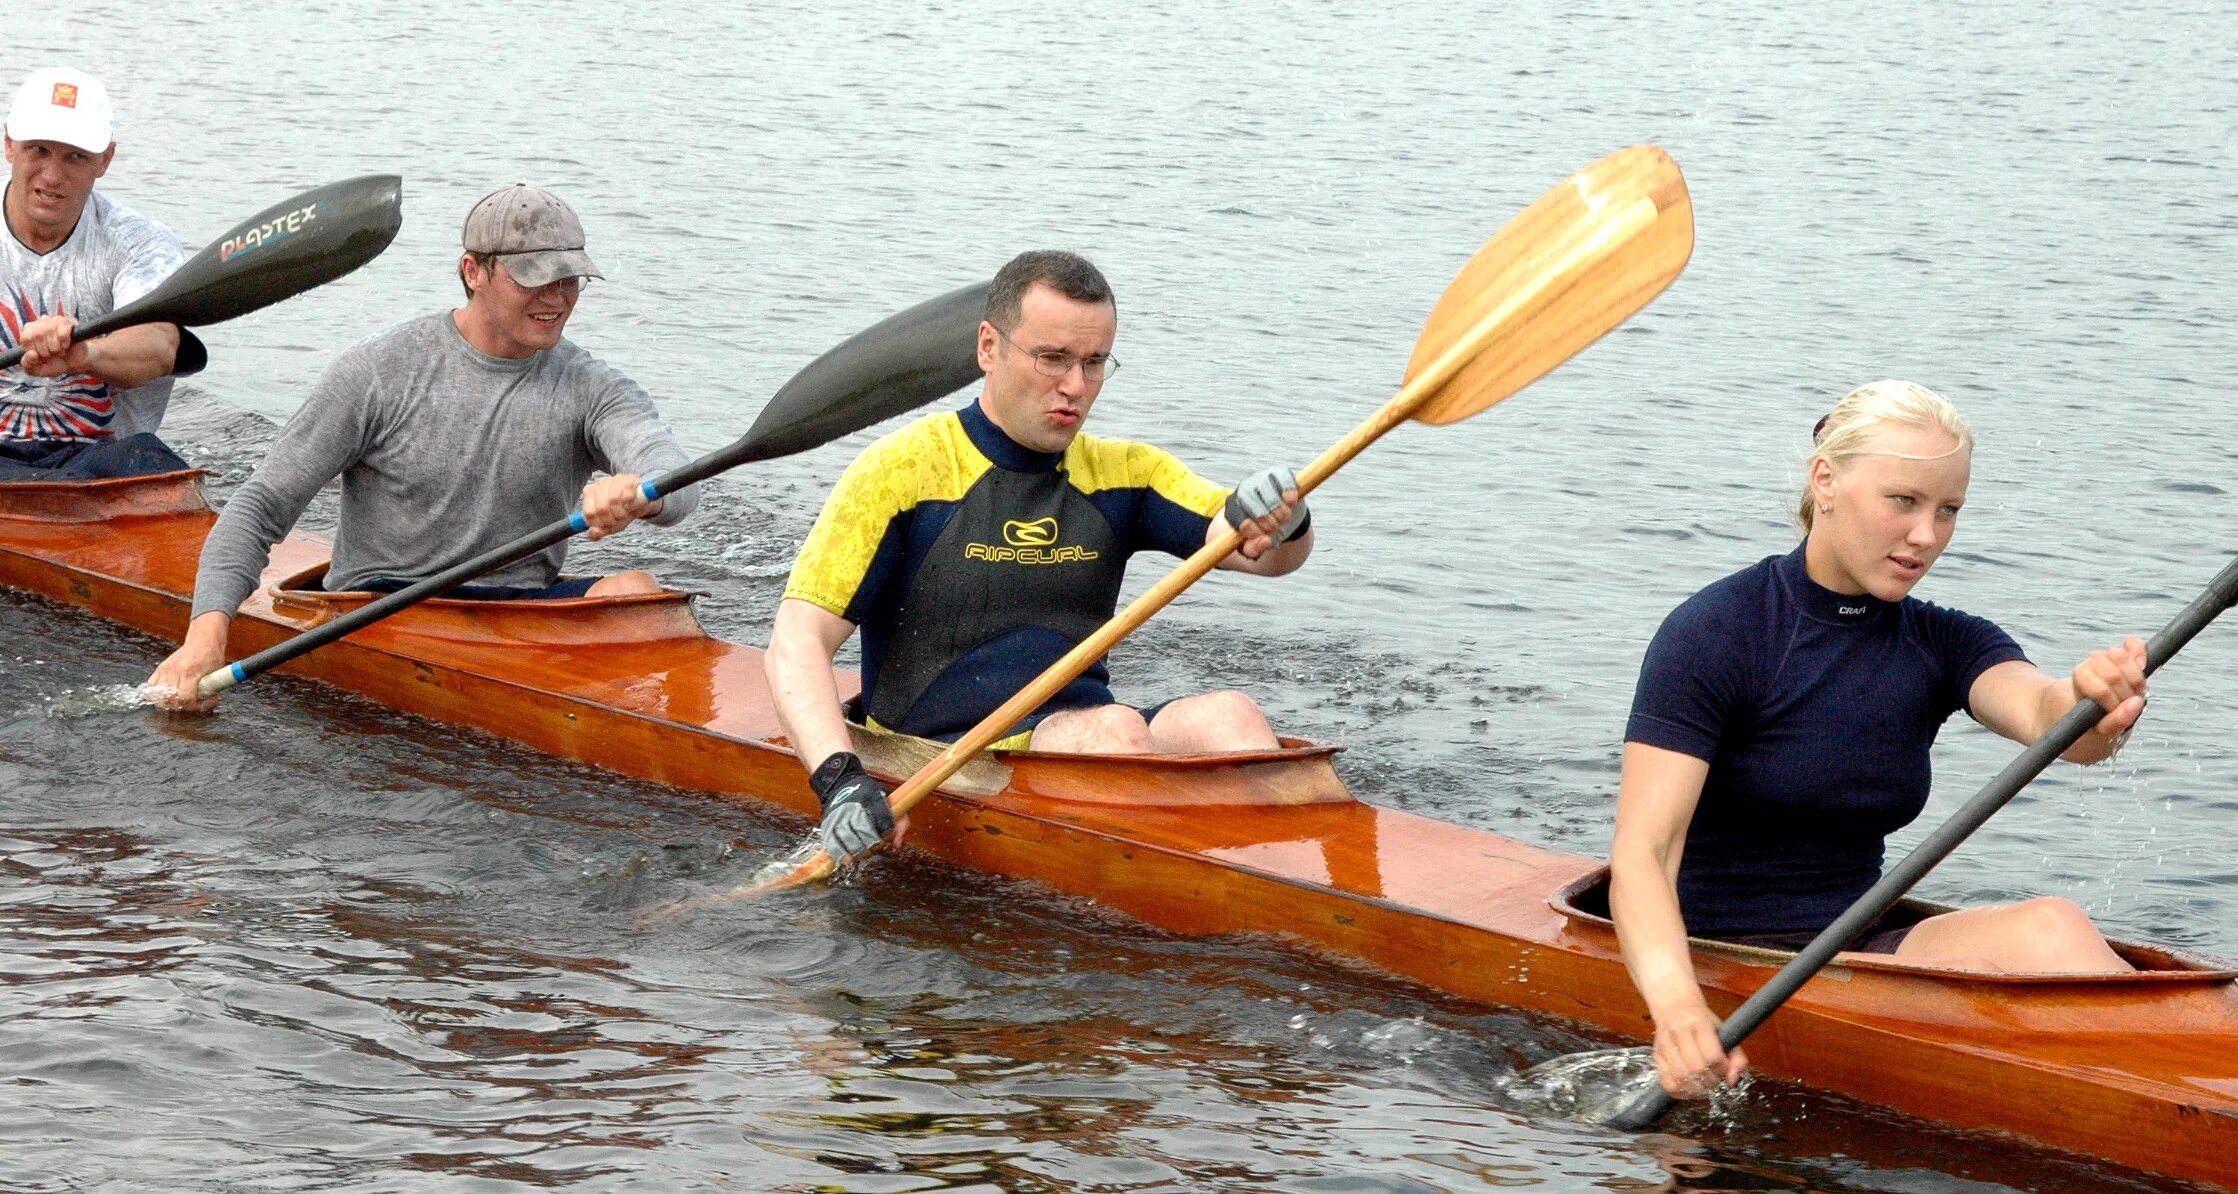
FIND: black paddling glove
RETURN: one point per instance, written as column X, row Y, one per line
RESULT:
column 1259, row 495
column 856, row 814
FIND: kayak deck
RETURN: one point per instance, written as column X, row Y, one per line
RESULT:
column 2139, row 1069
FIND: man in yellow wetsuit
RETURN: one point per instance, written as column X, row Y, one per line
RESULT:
column 976, row 547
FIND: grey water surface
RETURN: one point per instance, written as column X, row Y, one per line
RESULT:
column 310, row 944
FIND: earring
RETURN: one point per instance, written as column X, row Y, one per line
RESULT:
column 1826, row 507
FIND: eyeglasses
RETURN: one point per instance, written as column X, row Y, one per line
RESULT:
column 1055, row 363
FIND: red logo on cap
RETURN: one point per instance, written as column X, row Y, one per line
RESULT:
column 66, row 95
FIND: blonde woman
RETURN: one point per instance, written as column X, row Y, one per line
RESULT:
column 1781, row 727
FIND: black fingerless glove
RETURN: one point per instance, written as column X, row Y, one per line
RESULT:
column 1237, row 515
column 841, row 781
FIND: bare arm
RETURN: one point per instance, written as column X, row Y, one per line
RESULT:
column 1655, row 803
column 2022, row 703
column 318, row 443
column 126, row 358
column 798, row 664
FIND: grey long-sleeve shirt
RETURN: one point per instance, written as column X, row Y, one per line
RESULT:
column 444, row 453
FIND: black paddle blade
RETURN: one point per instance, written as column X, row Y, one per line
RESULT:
column 890, row 368
column 277, row 253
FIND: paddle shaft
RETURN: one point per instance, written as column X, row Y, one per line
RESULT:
column 1899, row 879
column 1424, row 386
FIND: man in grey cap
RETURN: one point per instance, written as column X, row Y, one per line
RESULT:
column 88, row 408
column 453, row 434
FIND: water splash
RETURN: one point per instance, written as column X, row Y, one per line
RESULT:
column 1593, row 1087
column 1587, row 1086
column 790, row 861
column 92, row 702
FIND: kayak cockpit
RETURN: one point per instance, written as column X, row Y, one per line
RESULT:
column 105, row 499
column 1297, row 773
column 1585, row 902
column 299, row 599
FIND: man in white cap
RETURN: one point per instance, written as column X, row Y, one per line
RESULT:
column 453, row 433
column 71, row 254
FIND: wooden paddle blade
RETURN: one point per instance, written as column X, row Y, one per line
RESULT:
column 818, row 868
column 890, row 368
column 280, row 252
column 1573, row 265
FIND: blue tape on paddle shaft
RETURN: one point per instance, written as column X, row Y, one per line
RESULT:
column 240, row 675
column 651, row 490
column 577, row 523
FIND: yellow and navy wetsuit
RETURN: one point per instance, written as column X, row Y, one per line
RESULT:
column 972, row 563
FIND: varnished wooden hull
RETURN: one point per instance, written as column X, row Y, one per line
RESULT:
column 2141, row 1070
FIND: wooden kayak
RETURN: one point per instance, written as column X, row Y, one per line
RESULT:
column 2137, row 1069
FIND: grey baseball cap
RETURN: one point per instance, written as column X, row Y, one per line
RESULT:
column 534, row 231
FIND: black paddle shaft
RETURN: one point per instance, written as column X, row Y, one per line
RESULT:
column 888, row 369
column 2220, row 594
column 277, row 253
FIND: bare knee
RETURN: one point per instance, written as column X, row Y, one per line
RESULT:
column 1230, row 706
column 2048, row 935
column 1105, row 729
column 633, row 583
column 2053, row 921
column 2063, row 937
column 1212, row 721
column 1118, row 724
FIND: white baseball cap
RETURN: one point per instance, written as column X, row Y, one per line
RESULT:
column 60, row 104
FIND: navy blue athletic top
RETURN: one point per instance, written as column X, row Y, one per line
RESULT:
column 1815, row 711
